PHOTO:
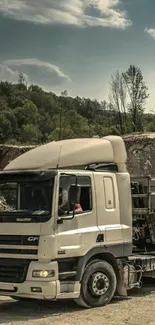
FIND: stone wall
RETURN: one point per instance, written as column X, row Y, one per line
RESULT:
column 140, row 149
column 8, row 153
column 141, row 154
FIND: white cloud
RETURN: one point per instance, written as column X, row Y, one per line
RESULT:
column 70, row 12
column 43, row 73
column 150, row 31
column 7, row 74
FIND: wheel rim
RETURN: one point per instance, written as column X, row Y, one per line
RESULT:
column 98, row 284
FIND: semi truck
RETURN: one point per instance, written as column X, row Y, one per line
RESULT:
column 75, row 224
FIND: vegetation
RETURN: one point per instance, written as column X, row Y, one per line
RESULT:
column 29, row 115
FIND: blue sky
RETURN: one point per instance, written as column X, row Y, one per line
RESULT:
column 77, row 44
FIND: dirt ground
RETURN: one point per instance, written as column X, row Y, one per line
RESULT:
column 138, row 308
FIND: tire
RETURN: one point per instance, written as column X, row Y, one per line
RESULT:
column 98, row 285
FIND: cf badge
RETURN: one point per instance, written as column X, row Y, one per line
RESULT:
column 32, row 239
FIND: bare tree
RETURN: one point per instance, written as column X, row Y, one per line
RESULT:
column 118, row 95
column 22, row 79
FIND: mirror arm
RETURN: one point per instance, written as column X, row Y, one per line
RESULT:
column 61, row 219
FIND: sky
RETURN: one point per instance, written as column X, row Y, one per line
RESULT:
column 77, row 44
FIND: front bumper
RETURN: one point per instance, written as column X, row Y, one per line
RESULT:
column 49, row 288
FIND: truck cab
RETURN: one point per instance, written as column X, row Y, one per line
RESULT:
column 49, row 249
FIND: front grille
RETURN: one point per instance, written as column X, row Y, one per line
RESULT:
column 30, row 240
column 30, row 244
column 18, row 251
column 13, row 271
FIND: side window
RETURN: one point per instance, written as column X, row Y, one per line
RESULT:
column 85, row 199
column 84, row 202
column 109, row 193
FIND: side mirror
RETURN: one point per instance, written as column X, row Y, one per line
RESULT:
column 73, row 197
column 73, row 194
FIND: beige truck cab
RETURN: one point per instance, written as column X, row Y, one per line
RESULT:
column 66, row 224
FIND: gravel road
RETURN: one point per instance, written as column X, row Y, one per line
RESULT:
column 137, row 309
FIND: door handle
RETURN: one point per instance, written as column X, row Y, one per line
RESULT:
column 100, row 238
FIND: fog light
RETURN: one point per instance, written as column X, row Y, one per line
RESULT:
column 36, row 289
column 43, row 274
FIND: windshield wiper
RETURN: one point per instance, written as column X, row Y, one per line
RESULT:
column 24, row 212
column 40, row 212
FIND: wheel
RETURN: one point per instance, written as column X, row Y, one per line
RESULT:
column 98, row 285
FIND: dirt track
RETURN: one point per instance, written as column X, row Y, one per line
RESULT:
column 138, row 308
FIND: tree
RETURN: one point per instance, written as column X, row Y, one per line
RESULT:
column 137, row 92
column 45, row 102
column 3, row 104
column 8, row 126
column 25, row 116
column 21, row 79
column 30, row 134
column 117, row 97
column 6, row 90
column 64, row 93
column 31, row 115
column 22, row 82
column 69, row 125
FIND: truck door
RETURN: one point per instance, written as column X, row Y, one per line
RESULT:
column 75, row 237
column 108, row 210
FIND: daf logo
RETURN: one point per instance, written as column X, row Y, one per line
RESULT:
column 32, row 239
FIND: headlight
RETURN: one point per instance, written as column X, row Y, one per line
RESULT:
column 43, row 274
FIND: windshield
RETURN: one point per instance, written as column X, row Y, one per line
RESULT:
column 26, row 199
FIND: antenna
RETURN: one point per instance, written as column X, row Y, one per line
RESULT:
column 59, row 156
